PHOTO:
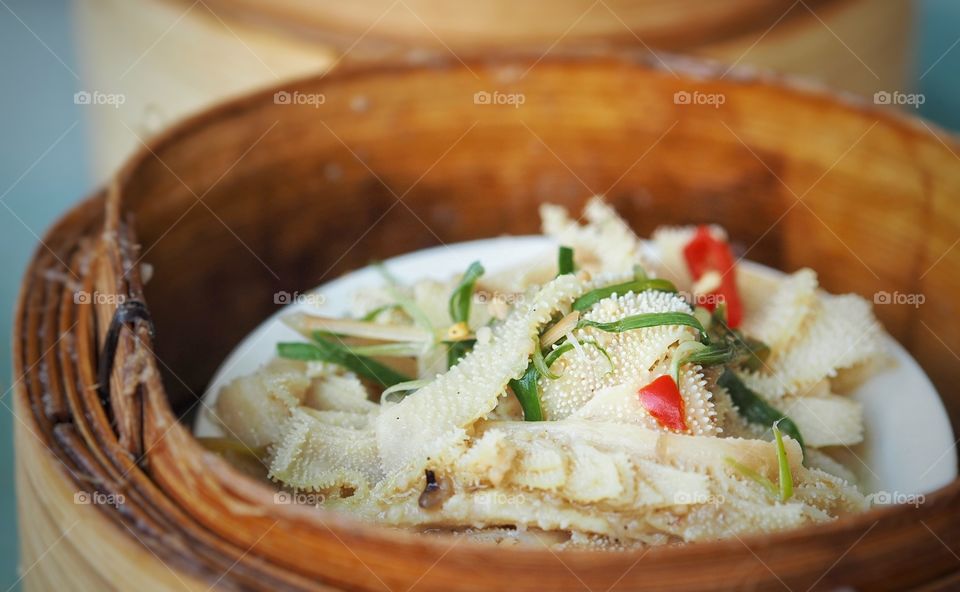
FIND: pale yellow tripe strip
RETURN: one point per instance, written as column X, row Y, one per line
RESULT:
column 436, row 419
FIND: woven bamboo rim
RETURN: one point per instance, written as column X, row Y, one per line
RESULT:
column 191, row 520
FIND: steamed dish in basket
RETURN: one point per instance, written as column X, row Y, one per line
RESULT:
column 616, row 393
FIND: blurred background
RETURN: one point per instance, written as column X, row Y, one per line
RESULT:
column 86, row 82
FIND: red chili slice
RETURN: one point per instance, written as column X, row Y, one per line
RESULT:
column 705, row 253
column 661, row 398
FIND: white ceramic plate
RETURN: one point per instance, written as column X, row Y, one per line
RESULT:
column 909, row 446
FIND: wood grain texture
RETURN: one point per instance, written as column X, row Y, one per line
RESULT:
column 170, row 58
column 255, row 196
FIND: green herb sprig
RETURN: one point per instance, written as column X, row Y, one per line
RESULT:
column 411, row 308
column 636, row 286
column 528, row 394
column 323, row 350
column 565, row 261
column 754, row 409
column 783, row 489
column 786, row 476
column 463, row 294
column 648, row 319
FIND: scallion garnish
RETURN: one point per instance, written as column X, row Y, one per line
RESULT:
column 714, row 354
column 754, row 409
column 556, row 352
column 526, row 388
column 407, row 304
column 565, row 261
column 751, row 353
column 528, row 394
column 753, row 476
column 783, row 490
column 463, row 293
column 402, row 389
column 459, row 306
column 563, row 348
column 756, row 353
column 786, row 477
column 681, row 355
column 373, row 314
column 644, row 320
column 540, row 363
column 636, row 286
column 322, row 350
column 602, row 351
column 401, row 350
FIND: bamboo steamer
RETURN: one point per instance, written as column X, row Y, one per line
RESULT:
column 171, row 58
column 253, row 197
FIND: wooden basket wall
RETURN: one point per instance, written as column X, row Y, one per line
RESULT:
column 256, row 196
column 190, row 55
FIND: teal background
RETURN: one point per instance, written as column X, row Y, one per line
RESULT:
column 36, row 185
column 44, row 165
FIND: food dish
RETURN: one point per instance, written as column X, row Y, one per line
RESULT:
column 623, row 459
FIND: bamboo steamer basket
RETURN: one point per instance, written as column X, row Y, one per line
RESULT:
column 171, row 58
column 253, row 197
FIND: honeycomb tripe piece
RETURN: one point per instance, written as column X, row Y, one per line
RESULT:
column 253, row 408
column 317, row 455
column 840, row 332
column 606, row 244
column 778, row 317
column 623, row 481
column 435, row 418
column 601, row 378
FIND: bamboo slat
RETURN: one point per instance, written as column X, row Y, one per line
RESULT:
column 252, row 197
